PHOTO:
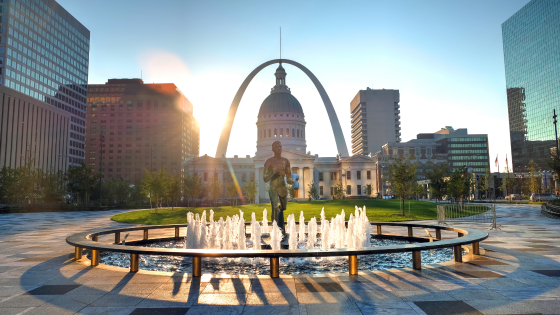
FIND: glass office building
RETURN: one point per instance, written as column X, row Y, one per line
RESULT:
column 531, row 40
column 44, row 53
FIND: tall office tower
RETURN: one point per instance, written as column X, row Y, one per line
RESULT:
column 45, row 53
column 375, row 120
column 531, row 55
column 132, row 126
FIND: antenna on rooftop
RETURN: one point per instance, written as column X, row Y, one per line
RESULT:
column 280, row 45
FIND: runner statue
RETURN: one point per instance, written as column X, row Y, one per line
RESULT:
column 276, row 169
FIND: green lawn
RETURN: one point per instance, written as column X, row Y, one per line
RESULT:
column 378, row 210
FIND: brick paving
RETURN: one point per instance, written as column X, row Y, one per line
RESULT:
column 519, row 273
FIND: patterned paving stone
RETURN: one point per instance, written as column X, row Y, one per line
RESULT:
column 447, row 308
column 53, row 289
column 160, row 311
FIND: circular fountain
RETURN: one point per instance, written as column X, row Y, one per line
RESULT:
column 234, row 238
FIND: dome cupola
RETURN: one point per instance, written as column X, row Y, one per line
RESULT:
column 281, row 118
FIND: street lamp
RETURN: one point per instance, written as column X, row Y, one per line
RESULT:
column 101, row 140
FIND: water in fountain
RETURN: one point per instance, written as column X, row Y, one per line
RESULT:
column 232, row 233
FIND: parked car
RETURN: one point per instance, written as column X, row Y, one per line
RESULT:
column 543, row 197
column 513, row 197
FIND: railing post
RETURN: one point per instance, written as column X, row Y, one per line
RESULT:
column 476, row 248
column 274, row 267
column 78, row 253
column 438, row 234
column 197, row 266
column 176, row 232
column 133, row 262
column 416, row 260
column 378, row 229
column 353, row 265
column 458, row 253
column 94, row 254
column 145, row 234
column 117, row 237
column 410, row 234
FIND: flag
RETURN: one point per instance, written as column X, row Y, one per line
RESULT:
column 506, row 162
column 496, row 162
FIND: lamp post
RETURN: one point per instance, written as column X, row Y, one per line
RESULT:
column 555, row 130
column 101, row 140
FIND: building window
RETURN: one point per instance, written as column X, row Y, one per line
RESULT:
column 359, row 190
column 298, row 133
column 275, row 133
column 287, row 132
column 358, row 174
column 205, row 176
column 368, row 174
column 281, row 132
column 321, row 190
column 243, row 177
column 320, row 176
column 348, row 175
column 428, row 151
column 348, row 190
column 395, row 151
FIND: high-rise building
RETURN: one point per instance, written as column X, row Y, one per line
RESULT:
column 132, row 126
column 44, row 53
column 375, row 120
column 532, row 69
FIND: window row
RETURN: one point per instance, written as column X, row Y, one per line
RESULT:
column 273, row 133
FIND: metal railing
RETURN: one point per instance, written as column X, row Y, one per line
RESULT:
column 467, row 213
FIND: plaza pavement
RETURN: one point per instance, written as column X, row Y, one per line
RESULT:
column 518, row 274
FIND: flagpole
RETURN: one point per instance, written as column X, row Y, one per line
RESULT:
column 499, row 176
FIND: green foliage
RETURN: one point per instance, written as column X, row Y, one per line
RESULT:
column 250, row 190
column 338, row 191
column 313, row 191
column 82, row 180
column 368, row 190
column 192, row 187
column 231, row 191
column 214, row 188
column 460, row 184
column 291, row 191
column 402, row 176
column 174, row 189
column 534, row 177
column 439, row 177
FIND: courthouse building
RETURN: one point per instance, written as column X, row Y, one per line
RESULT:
column 281, row 118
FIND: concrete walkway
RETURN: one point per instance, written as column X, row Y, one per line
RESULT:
column 519, row 274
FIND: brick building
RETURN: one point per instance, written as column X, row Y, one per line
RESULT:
column 132, row 126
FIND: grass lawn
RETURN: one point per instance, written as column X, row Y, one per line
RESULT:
column 378, row 210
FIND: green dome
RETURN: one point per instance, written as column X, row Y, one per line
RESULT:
column 280, row 103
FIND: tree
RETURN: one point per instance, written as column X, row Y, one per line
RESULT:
column 554, row 164
column 369, row 190
column 250, row 190
column 419, row 191
column 214, row 188
column 483, row 183
column 52, row 186
column 533, row 176
column 231, row 191
column 82, row 180
column 147, row 187
column 460, row 184
column 192, row 187
column 439, row 177
column 160, row 186
column 174, row 189
column 291, row 191
column 402, row 176
column 338, row 191
column 313, row 192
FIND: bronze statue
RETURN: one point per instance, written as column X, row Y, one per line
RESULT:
column 275, row 168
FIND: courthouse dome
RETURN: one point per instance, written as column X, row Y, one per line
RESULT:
column 280, row 103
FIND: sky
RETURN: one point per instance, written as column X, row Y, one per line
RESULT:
column 445, row 57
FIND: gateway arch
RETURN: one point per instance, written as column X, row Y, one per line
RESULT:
column 226, row 130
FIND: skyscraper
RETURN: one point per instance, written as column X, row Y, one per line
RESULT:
column 532, row 68
column 375, row 120
column 132, row 126
column 44, row 54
